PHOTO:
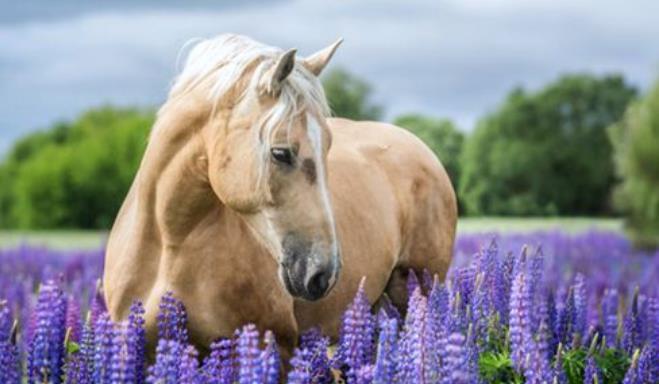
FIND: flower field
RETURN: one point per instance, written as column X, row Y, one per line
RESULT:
column 534, row 308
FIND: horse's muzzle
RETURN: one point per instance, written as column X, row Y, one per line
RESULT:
column 311, row 283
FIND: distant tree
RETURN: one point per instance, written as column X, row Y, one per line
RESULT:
column 349, row 96
column 635, row 141
column 74, row 175
column 440, row 135
column 546, row 152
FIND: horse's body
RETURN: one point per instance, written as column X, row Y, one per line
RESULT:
column 393, row 208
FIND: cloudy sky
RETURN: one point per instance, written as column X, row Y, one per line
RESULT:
column 448, row 58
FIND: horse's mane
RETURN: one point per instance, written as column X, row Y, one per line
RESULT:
column 220, row 63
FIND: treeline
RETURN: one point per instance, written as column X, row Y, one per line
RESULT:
column 582, row 145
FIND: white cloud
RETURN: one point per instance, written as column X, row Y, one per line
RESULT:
column 449, row 58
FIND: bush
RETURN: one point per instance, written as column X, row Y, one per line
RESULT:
column 635, row 141
column 349, row 96
column 74, row 175
column 546, row 153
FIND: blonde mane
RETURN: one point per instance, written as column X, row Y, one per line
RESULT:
column 219, row 63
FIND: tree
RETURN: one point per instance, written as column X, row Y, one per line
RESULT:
column 349, row 96
column 74, row 175
column 546, row 152
column 635, row 141
column 440, row 135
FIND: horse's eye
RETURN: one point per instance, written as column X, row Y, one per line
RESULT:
column 282, row 155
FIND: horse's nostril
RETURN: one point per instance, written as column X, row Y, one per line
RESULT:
column 317, row 284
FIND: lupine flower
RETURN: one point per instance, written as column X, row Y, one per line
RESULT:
column 249, row 361
column 634, row 374
column 9, row 359
column 356, row 335
column 632, row 328
column 427, row 280
column 457, row 360
column 46, row 351
column 219, row 366
column 364, row 375
column 412, row 282
column 565, row 321
column 270, row 360
column 76, row 370
column 73, row 321
column 559, row 376
column 301, row 372
column 610, row 305
column 135, row 341
column 167, row 368
column 314, row 346
column 580, row 305
column 520, row 320
column 104, row 341
column 97, row 305
column 188, row 371
column 537, row 367
column 481, row 310
column 385, row 361
column 414, row 365
column 592, row 374
column 172, row 319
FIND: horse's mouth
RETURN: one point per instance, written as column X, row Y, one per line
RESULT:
column 295, row 287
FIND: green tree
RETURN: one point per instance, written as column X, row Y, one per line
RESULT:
column 74, row 175
column 349, row 96
column 440, row 135
column 635, row 141
column 546, row 152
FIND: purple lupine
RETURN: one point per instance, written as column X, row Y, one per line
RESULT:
column 412, row 282
column 136, row 341
column 559, row 375
column 270, row 360
column 456, row 360
column 505, row 284
column 580, row 306
column 632, row 328
column 189, row 368
column 481, row 310
column 314, row 348
column 633, row 376
column 427, row 281
column 592, row 374
column 167, row 368
column 73, row 320
column 653, row 337
column 301, row 367
column 75, row 370
column 389, row 309
column 9, row 358
column 565, row 321
column 97, row 305
column 537, row 368
column 219, row 366
column 122, row 361
column 364, row 375
column 520, row 321
column 172, row 319
column 104, row 341
column 414, row 365
column 356, row 345
column 385, row 360
column 610, row 311
column 46, row 350
column 249, row 355
column 87, row 351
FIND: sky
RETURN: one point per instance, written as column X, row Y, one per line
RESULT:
column 454, row 59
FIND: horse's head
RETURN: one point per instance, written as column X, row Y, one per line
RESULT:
column 267, row 146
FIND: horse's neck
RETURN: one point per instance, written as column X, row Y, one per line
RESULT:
column 172, row 185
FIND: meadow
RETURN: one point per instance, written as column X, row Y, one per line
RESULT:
column 577, row 305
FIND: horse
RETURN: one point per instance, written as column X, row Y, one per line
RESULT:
column 252, row 205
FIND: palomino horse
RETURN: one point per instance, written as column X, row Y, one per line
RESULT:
column 251, row 205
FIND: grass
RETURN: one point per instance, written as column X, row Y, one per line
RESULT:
column 80, row 239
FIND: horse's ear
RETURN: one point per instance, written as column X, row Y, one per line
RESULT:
column 276, row 75
column 317, row 62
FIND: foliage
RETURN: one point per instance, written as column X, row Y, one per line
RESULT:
column 349, row 96
column 437, row 341
column 441, row 136
column 635, row 141
column 74, row 175
column 545, row 153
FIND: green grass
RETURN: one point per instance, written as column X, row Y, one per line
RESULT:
column 69, row 239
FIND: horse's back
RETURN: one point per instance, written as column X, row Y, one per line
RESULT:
column 426, row 206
